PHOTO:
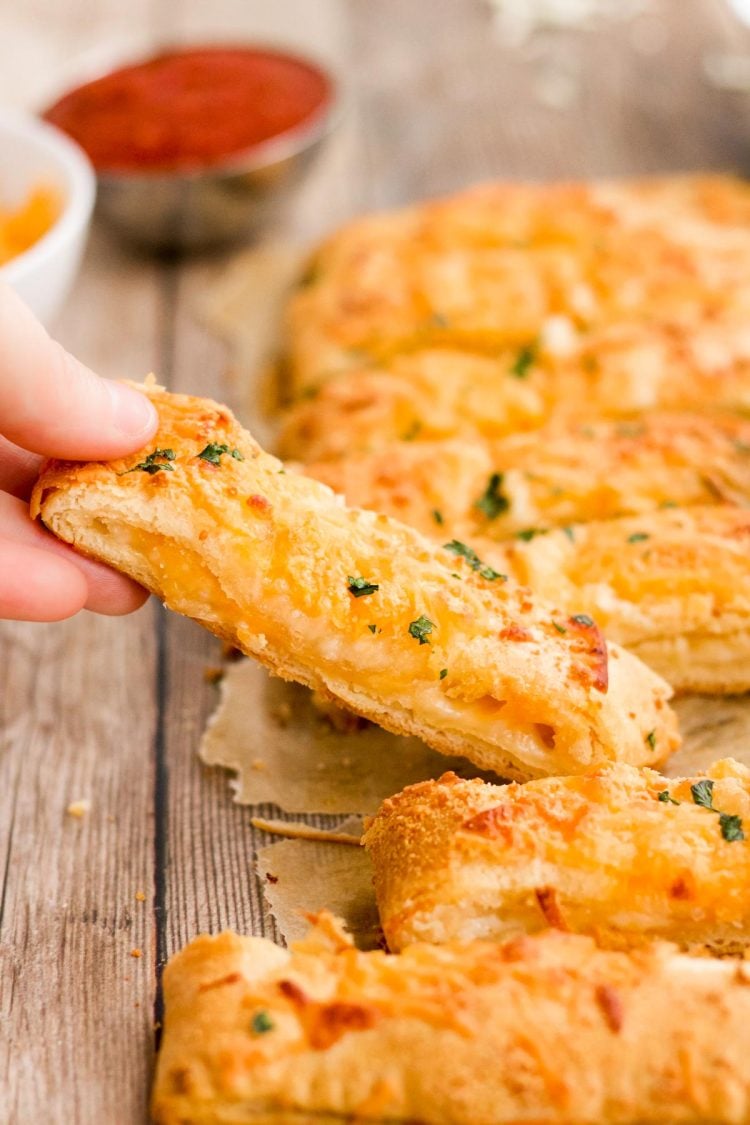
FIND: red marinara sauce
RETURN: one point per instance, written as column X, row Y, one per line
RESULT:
column 190, row 109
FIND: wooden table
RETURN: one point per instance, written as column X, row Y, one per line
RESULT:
column 111, row 710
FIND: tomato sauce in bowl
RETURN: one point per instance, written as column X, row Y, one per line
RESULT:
column 191, row 109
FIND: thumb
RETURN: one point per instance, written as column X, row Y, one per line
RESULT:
column 51, row 404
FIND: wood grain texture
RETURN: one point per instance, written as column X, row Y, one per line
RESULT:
column 112, row 710
column 77, row 718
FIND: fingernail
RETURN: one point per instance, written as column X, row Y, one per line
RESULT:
column 132, row 413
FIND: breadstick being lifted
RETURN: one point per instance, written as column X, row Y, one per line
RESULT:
column 356, row 605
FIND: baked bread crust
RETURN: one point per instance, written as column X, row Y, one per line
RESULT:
column 603, row 854
column 643, row 282
column 546, row 1029
column 263, row 558
column 568, row 472
column 672, row 585
column 491, row 311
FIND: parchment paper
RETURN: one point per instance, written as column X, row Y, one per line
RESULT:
column 286, row 752
column 304, row 876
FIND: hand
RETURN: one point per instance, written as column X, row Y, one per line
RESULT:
column 53, row 406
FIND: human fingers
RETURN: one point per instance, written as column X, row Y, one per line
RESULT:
column 36, row 585
column 54, row 405
column 18, row 469
column 104, row 591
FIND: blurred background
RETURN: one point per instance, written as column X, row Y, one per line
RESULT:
column 443, row 92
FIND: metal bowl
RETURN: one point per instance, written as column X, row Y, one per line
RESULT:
column 212, row 207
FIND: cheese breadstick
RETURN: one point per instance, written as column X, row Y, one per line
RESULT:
column 355, row 605
column 546, row 1029
column 623, row 854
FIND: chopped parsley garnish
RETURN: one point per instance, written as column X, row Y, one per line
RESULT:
column 437, row 515
column 524, row 361
column 156, row 462
column 439, row 320
column 413, row 430
column 373, row 628
column 530, row 533
column 487, row 572
column 666, row 798
column 261, row 1023
column 741, row 446
column 560, row 628
column 214, row 452
column 583, row 619
column 703, row 794
column 493, row 502
column 420, row 629
column 651, row 739
column 730, row 825
column 568, row 530
column 443, row 673
column 638, row 537
column 456, row 547
column 360, row 587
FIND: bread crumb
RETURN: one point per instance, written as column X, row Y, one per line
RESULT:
column 79, row 809
column 140, row 896
column 136, row 952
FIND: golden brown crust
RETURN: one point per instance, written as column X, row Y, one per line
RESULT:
column 427, row 395
column 486, row 313
column 549, row 1030
column 647, row 279
column 568, row 472
column 672, row 585
column 603, row 854
column 263, row 558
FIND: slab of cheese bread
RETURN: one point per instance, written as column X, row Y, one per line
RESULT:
column 625, row 855
column 547, row 1029
column 491, row 311
column 570, row 471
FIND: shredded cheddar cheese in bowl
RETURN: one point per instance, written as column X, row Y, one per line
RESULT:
column 24, row 224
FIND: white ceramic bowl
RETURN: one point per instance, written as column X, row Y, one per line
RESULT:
column 33, row 153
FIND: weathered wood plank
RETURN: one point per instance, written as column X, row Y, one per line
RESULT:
column 77, row 717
